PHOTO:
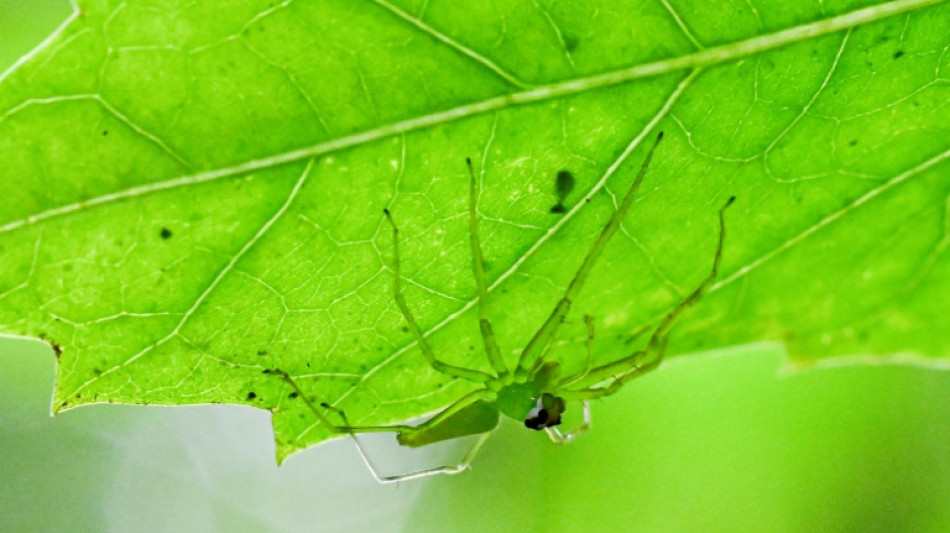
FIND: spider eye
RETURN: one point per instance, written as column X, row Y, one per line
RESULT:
column 538, row 421
column 546, row 413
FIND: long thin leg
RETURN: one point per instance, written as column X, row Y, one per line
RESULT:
column 298, row 392
column 461, row 466
column 453, row 408
column 539, row 343
column 445, row 469
column 458, row 405
column 559, row 437
column 445, row 368
column 570, row 380
column 478, row 266
column 625, row 369
column 352, row 431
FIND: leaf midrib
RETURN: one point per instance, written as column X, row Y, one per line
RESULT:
column 710, row 56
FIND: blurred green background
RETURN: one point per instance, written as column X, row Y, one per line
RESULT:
column 721, row 442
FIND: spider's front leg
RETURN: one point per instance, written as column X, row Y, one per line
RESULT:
column 642, row 361
column 481, row 280
column 532, row 354
column 445, row 368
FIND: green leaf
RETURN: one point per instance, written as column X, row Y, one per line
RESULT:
column 195, row 190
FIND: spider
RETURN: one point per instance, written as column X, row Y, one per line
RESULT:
column 534, row 392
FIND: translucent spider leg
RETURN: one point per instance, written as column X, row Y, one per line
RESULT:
column 559, row 437
column 627, row 368
column 445, row 368
column 539, row 343
column 570, row 380
column 478, row 267
column 461, row 466
column 457, row 468
column 554, row 433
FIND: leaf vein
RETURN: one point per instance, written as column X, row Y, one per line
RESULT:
column 709, row 56
column 229, row 267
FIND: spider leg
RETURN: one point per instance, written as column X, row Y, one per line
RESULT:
column 539, row 343
column 445, row 368
column 409, row 430
column 570, row 380
column 457, row 468
column 649, row 358
column 459, row 405
column 478, row 266
column 559, row 437
column 632, row 369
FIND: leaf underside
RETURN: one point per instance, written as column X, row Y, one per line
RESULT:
column 195, row 189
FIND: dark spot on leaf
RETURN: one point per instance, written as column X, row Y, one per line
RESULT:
column 166, row 233
column 898, row 54
column 42, row 336
column 64, row 404
column 261, row 352
column 251, row 395
column 852, row 143
column 97, row 371
column 78, row 395
column 105, row 132
column 57, row 349
column 293, row 395
column 570, row 43
column 405, row 329
column 325, row 405
column 565, row 183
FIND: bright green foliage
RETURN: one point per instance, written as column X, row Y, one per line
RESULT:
column 194, row 190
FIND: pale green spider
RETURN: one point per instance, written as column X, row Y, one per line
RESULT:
column 534, row 392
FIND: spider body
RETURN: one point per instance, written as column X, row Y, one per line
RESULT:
column 533, row 392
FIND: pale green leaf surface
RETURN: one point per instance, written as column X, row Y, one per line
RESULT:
column 194, row 190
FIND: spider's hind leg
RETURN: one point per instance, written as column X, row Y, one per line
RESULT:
column 459, row 406
column 463, row 465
